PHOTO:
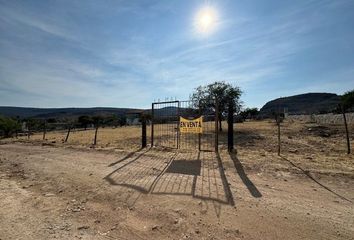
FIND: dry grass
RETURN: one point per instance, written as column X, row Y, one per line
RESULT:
column 255, row 141
column 122, row 138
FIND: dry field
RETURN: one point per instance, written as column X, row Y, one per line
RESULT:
column 56, row 190
column 118, row 138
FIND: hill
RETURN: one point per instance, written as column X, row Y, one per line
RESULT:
column 308, row 103
column 24, row 112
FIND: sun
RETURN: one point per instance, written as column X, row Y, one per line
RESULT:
column 206, row 20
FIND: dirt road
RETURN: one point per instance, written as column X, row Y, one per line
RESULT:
column 64, row 193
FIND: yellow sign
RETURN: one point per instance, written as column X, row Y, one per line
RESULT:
column 191, row 126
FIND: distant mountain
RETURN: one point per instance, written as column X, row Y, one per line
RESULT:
column 309, row 103
column 166, row 111
column 64, row 113
column 24, row 112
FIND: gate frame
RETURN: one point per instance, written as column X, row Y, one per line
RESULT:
column 216, row 138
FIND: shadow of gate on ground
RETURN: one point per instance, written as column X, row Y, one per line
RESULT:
column 197, row 174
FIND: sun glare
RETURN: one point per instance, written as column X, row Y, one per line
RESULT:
column 205, row 20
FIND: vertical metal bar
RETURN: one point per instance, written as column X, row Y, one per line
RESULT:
column 199, row 141
column 143, row 132
column 199, row 134
column 216, row 125
column 178, row 124
column 152, row 124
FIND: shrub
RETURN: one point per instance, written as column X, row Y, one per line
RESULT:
column 8, row 126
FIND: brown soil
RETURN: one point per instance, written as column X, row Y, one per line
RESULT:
column 62, row 192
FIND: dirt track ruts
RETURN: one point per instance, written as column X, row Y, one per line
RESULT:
column 63, row 193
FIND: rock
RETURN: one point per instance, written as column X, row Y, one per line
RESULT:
column 178, row 221
column 48, row 194
column 293, row 150
column 155, row 227
column 324, row 134
column 83, row 227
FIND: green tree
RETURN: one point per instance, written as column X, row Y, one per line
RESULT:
column 249, row 113
column 97, row 120
column 33, row 124
column 347, row 100
column 205, row 97
column 145, row 116
column 110, row 120
column 122, row 120
column 9, row 126
column 84, row 121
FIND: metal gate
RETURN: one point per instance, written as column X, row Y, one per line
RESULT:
column 165, row 127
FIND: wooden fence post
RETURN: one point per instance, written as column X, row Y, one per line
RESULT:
column 28, row 132
column 230, row 127
column 95, row 139
column 346, row 129
column 45, row 129
column 67, row 135
column 278, row 124
column 216, row 125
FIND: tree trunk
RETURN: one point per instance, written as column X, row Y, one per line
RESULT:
column 346, row 130
column 220, row 125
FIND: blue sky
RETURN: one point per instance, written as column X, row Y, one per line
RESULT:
column 130, row 53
